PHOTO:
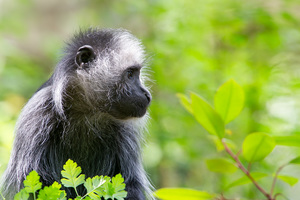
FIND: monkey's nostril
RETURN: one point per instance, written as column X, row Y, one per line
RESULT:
column 148, row 96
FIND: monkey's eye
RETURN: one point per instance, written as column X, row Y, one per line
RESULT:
column 130, row 74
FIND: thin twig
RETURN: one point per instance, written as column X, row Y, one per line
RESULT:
column 241, row 166
column 275, row 179
column 238, row 153
column 249, row 166
column 279, row 194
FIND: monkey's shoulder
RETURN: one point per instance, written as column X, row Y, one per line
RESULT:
column 49, row 82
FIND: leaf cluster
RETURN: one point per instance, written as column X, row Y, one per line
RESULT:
column 97, row 187
column 228, row 104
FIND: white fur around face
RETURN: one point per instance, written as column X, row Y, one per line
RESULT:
column 126, row 51
column 122, row 52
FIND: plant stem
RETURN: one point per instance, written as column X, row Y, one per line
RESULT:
column 76, row 192
column 275, row 179
column 279, row 194
column 2, row 196
column 241, row 166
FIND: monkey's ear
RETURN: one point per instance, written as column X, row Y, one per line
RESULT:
column 85, row 54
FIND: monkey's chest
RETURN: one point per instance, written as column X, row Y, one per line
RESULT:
column 95, row 157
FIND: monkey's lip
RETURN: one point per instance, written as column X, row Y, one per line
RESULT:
column 131, row 113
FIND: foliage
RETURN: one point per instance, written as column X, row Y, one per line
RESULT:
column 72, row 177
column 97, row 187
column 182, row 193
column 193, row 46
column 228, row 103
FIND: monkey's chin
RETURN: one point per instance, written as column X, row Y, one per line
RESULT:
column 129, row 115
column 139, row 115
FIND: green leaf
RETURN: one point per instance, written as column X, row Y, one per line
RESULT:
column 22, row 195
column 293, row 140
column 185, row 102
column 115, row 189
column 219, row 145
column 119, row 187
column 295, row 161
column 32, row 182
column 182, row 193
column 108, row 190
column 229, row 100
column 257, row 146
column 105, row 190
column 71, row 174
column 220, row 165
column 52, row 192
column 288, row 179
column 95, row 185
column 245, row 180
column 207, row 116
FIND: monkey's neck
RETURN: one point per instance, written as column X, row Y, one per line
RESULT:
column 102, row 141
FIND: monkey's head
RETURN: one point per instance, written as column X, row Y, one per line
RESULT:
column 101, row 72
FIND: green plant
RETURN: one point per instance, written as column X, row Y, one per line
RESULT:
column 228, row 103
column 97, row 187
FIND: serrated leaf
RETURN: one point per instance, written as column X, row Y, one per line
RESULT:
column 72, row 176
column 32, row 182
column 95, row 186
column 108, row 190
column 245, row 180
column 52, row 192
column 119, row 187
column 115, row 189
column 293, row 140
column 22, row 195
column 257, row 146
column 229, row 100
column 182, row 193
column 220, row 165
column 118, row 182
column 288, row 179
column 103, row 191
column 207, row 116
column 185, row 102
column 90, row 189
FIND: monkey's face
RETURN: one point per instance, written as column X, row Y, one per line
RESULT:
column 110, row 80
column 131, row 99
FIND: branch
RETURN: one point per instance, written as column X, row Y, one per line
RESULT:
column 279, row 194
column 241, row 166
column 275, row 179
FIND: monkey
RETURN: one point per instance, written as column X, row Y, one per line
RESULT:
column 93, row 110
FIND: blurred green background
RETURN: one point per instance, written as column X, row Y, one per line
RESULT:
column 194, row 46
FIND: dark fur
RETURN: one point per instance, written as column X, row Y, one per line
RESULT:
column 77, row 116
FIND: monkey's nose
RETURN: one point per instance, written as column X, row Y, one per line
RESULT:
column 148, row 96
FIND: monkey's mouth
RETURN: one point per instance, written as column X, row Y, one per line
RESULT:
column 125, row 110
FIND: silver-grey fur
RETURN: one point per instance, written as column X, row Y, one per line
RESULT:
column 66, row 118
